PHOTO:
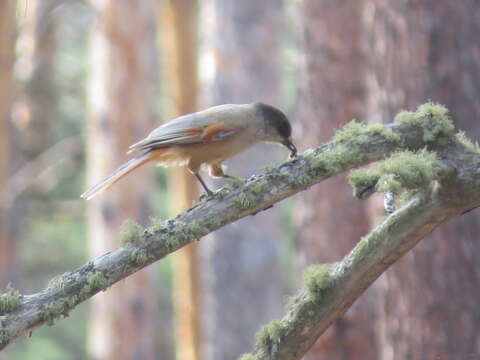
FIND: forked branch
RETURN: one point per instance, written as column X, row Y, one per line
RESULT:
column 331, row 288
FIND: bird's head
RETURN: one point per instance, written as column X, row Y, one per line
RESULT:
column 277, row 126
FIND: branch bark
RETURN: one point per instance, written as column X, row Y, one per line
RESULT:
column 331, row 289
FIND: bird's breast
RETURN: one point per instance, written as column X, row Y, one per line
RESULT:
column 215, row 152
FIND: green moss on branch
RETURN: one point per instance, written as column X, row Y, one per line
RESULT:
column 139, row 257
column 270, row 336
column 4, row 335
column 247, row 357
column 130, row 231
column 362, row 180
column 58, row 282
column 432, row 118
column 245, row 201
column 318, row 280
column 404, row 170
column 55, row 309
column 467, row 143
column 407, row 170
column 95, row 281
column 359, row 133
column 10, row 301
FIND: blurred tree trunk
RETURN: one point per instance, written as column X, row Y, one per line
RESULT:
column 37, row 107
column 178, row 19
column 418, row 51
column 243, row 282
column 329, row 219
column 7, row 51
column 34, row 107
column 124, row 320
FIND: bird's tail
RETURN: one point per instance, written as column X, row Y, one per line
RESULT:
column 117, row 175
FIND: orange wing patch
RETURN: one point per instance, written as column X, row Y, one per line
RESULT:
column 217, row 131
column 193, row 132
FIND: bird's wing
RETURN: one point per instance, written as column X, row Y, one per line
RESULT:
column 190, row 129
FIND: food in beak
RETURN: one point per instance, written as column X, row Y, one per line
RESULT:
column 292, row 148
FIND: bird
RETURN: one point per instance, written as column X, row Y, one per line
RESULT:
column 206, row 137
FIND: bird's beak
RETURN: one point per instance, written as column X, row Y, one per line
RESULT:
column 289, row 144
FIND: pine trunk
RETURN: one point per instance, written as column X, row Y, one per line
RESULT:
column 243, row 281
column 124, row 320
column 329, row 219
column 38, row 53
column 418, row 51
column 7, row 51
column 178, row 19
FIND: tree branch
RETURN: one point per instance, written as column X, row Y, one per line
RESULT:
column 330, row 289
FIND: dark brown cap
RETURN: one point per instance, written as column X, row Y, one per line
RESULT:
column 275, row 118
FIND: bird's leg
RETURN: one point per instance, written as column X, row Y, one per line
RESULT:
column 216, row 170
column 194, row 168
column 205, row 187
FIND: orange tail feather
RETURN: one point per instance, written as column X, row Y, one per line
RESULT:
column 118, row 174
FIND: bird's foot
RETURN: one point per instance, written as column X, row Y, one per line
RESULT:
column 207, row 194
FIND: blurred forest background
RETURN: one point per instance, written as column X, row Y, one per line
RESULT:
column 82, row 80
